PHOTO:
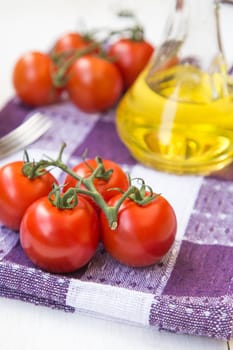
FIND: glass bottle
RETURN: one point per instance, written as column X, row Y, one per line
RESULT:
column 178, row 115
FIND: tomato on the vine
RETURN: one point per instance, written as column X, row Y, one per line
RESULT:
column 131, row 57
column 18, row 192
column 144, row 234
column 94, row 83
column 59, row 240
column 107, row 188
column 32, row 79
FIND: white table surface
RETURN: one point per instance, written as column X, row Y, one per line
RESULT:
column 34, row 25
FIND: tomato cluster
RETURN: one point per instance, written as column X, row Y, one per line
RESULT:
column 61, row 227
column 90, row 73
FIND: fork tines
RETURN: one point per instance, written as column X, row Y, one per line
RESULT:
column 25, row 134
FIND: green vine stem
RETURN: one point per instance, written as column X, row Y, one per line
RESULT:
column 136, row 31
column 64, row 60
column 59, row 77
column 140, row 196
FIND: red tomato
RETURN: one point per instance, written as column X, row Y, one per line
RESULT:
column 131, row 57
column 118, row 178
column 17, row 192
column 59, row 240
column 94, row 84
column 32, row 79
column 144, row 233
column 70, row 41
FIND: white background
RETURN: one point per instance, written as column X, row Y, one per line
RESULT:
column 34, row 25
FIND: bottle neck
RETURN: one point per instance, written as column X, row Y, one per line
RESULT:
column 195, row 25
column 191, row 58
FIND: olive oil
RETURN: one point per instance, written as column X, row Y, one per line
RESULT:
column 179, row 120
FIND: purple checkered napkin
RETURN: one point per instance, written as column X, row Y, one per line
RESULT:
column 190, row 291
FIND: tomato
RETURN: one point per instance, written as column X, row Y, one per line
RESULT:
column 70, row 41
column 59, row 240
column 94, row 84
column 17, row 192
column 107, row 188
column 32, row 79
column 144, row 233
column 131, row 57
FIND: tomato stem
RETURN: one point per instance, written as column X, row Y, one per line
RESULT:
column 69, row 199
column 60, row 76
column 64, row 60
column 135, row 32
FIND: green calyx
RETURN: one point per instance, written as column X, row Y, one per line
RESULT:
column 67, row 200
column 30, row 169
column 99, row 172
column 142, row 195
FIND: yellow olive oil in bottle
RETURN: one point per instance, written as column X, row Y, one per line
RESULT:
column 178, row 115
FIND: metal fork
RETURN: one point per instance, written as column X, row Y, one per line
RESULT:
column 25, row 134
